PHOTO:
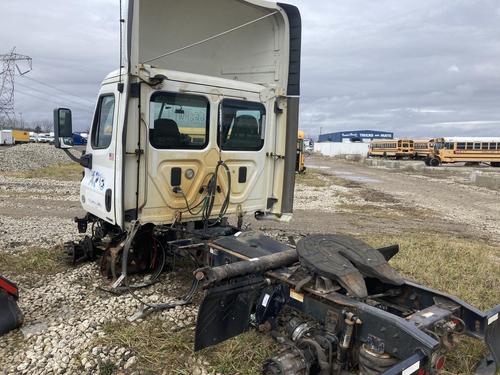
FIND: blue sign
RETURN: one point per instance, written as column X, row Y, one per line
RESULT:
column 355, row 136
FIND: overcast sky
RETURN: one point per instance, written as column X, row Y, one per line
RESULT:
column 416, row 67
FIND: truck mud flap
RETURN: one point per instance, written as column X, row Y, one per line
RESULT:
column 225, row 311
column 492, row 339
column 10, row 315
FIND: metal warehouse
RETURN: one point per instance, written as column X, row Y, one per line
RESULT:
column 355, row 136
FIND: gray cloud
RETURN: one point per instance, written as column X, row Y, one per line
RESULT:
column 73, row 45
column 417, row 67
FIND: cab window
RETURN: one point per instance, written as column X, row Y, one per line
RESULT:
column 102, row 128
column 178, row 121
column 242, row 125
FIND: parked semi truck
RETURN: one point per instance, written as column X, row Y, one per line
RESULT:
column 200, row 126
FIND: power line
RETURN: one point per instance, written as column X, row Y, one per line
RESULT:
column 58, row 89
column 45, row 98
column 59, row 96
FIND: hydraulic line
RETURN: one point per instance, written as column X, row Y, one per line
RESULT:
column 212, row 192
column 149, row 308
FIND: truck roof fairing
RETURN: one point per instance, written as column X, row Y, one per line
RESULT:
column 252, row 41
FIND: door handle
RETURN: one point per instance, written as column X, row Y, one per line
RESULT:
column 107, row 199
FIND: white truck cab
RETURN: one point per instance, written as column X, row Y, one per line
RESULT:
column 207, row 88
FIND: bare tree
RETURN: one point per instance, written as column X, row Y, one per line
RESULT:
column 42, row 126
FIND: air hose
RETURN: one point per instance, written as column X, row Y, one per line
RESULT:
column 212, row 192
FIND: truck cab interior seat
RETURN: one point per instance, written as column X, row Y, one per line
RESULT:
column 244, row 134
column 166, row 133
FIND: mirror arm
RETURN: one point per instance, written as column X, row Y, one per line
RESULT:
column 71, row 156
column 85, row 161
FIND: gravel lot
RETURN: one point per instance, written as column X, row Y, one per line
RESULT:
column 30, row 156
column 65, row 311
column 67, row 314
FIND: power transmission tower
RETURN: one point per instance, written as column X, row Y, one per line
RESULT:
column 8, row 67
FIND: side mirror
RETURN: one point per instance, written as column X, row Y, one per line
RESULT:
column 63, row 128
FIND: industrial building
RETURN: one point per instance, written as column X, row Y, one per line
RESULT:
column 353, row 136
column 352, row 142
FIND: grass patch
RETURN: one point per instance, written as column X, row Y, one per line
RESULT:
column 458, row 266
column 387, row 211
column 161, row 349
column 39, row 261
column 66, row 171
column 107, row 368
column 243, row 355
column 319, row 178
column 462, row 267
column 312, row 178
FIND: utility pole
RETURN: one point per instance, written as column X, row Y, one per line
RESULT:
column 8, row 66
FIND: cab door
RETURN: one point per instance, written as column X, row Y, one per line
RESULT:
column 98, row 185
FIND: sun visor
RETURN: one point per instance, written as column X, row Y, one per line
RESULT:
column 234, row 39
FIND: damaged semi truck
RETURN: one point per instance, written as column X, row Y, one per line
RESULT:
column 198, row 126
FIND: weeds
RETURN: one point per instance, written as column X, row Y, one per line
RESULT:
column 107, row 368
column 39, row 261
column 162, row 348
column 66, row 171
column 313, row 178
column 462, row 267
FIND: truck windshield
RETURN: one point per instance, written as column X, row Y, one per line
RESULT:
column 178, row 121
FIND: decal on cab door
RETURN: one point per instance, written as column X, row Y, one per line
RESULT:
column 97, row 180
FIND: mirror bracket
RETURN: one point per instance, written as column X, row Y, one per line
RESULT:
column 85, row 161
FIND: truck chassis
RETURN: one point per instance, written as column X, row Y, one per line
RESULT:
column 332, row 301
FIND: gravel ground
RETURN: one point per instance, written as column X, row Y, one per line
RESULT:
column 44, row 206
column 30, row 156
column 64, row 319
column 66, row 313
column 446, row 196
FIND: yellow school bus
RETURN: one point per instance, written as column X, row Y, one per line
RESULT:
column 460, row 149
column 422, row 148
column 301, row 159
column 397, row 148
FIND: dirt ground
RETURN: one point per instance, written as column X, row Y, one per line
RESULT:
column 449, row 232
column 372, row 200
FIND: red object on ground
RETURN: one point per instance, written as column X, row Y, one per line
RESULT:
column 9, row 287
